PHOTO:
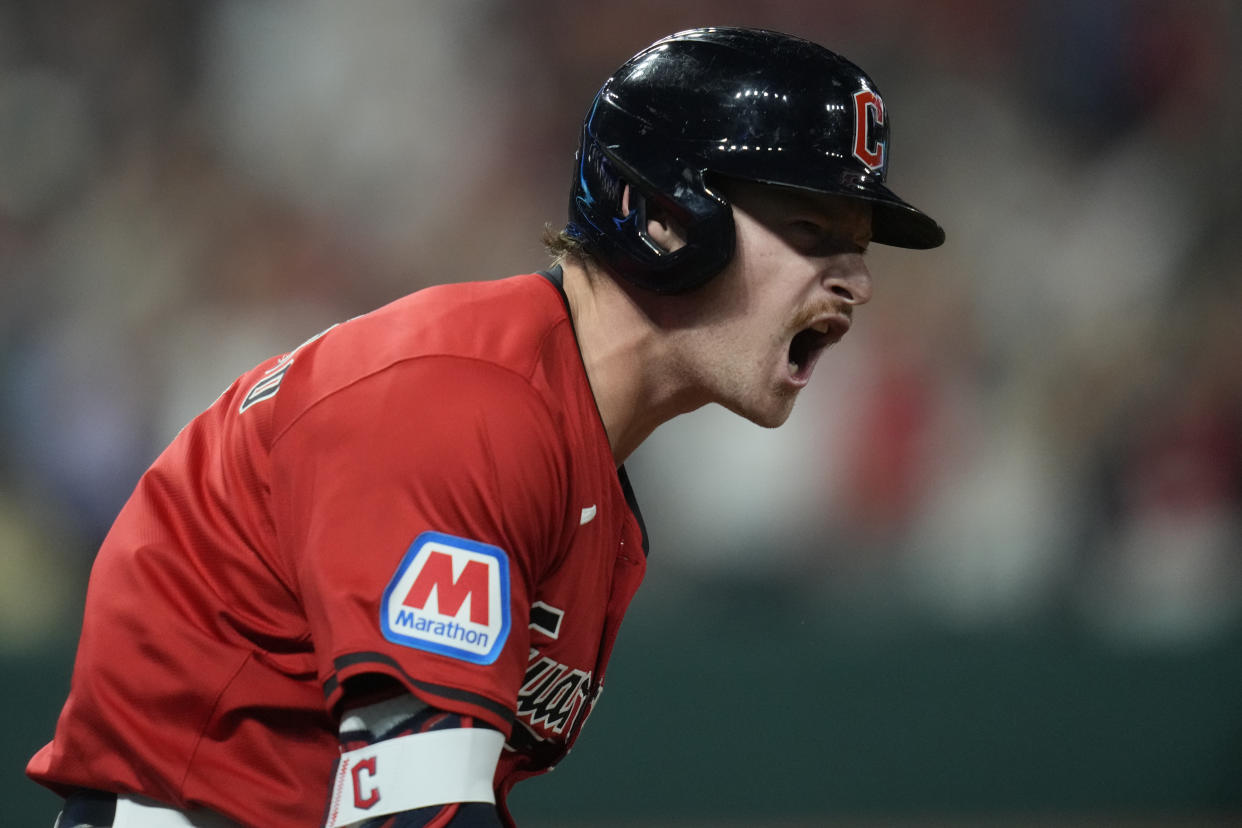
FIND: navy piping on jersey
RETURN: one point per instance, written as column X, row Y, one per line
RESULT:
column 556, row 276
column 455, row 693
column 633, row 504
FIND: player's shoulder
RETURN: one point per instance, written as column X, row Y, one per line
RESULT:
column 502, row 322
column 486, row 335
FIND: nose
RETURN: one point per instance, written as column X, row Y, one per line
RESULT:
column 850, row 280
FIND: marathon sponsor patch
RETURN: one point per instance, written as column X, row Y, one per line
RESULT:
column 449, row 596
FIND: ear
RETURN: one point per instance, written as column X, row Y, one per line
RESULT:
column 662, row 230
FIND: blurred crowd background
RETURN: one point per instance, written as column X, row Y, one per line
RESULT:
column 1019, row 478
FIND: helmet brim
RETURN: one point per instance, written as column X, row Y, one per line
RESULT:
column 894, row 222
column 898, row 224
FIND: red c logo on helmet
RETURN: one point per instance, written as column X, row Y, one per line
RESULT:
column 868, row 109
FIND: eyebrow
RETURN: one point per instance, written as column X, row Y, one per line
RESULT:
column 827, row 203
column 835, row 208
column 840, row 212
column 843, row 215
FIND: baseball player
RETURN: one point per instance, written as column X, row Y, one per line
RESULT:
column 378, row 581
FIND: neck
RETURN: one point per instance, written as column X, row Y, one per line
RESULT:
column 630, row 362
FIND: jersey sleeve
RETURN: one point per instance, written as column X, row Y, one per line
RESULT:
column 417, row 507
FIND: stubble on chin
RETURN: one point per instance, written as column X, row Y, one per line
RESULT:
column 750, row 394
column 772, row 411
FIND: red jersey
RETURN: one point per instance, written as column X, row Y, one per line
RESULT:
column 425, row 492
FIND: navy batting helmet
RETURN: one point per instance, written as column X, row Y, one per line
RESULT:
column 744, row 103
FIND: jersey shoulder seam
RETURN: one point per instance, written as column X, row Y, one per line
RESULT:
column 526, row 380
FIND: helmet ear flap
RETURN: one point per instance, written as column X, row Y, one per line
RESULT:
column 622, row 243
column 642, row 220
column 635, row 220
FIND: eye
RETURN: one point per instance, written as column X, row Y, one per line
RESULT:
column 804, row 234
column 819, row 239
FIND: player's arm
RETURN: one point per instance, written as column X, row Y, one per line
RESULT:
column 405, row 764
column 458, row 465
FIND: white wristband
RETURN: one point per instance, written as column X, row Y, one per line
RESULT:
column 415, row 771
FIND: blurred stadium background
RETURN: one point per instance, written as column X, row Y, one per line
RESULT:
column 991, row 573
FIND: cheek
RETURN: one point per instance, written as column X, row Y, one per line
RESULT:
column 750, row 303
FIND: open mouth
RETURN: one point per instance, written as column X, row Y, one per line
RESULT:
column 808, row 344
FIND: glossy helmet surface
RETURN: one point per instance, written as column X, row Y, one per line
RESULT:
column 744, row 103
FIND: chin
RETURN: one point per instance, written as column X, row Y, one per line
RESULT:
column 772, row 413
